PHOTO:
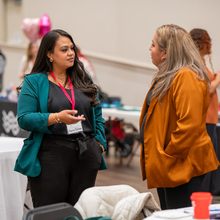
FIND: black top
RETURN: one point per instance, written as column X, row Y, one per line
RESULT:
column 57, row 101
column 145, row 117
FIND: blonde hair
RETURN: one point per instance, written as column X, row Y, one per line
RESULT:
column 29, row 54
column 181, row 52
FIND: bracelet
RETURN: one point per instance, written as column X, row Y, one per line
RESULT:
column 55, row 120
column 103, row 149
column 58, row 119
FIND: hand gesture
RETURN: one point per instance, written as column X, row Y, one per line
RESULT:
column 214, row 83
column 217, row 76
column 68, row 117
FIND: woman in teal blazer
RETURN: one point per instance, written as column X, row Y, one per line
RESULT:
column 58, row 103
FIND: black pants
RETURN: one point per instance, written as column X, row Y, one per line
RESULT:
column 210, row 178
column 64, row 174
column 178, row 197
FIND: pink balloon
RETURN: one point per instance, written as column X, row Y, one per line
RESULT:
column 45, row 25
column 31, row 28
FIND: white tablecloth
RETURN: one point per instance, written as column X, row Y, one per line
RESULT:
column 12, row 184
column 170, row 214
column 114, row 112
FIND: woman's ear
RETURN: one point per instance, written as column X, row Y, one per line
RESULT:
column 164, row 54
column 49, row 55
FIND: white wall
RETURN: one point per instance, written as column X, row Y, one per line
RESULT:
column 114, row 34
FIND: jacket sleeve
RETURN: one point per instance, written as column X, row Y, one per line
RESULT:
column 28, row 110
column 188, row 100
column 99, row 128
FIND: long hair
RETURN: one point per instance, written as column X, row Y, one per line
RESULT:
column 201, row 36
column 29, row 54
column 77, row 74
column 181, row 52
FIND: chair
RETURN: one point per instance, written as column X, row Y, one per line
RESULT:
column 125, row 136
column 136, row 146
column 58, row 211
column 115, row 132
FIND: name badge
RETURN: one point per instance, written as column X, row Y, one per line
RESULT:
column 74, row 128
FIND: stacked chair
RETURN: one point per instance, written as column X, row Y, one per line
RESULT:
column 59, row 211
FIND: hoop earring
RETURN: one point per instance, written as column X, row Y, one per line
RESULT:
column 51, row 60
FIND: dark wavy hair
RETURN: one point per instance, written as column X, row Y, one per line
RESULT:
column 78, row 76
column 201, row 36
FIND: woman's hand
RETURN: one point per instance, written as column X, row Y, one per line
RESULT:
column 215, row 83
column 65, row 116
column 217, row 76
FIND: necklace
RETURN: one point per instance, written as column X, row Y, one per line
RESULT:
column 63, row 78
column 63, row 83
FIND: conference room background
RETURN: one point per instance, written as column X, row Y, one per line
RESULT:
column 114, row 34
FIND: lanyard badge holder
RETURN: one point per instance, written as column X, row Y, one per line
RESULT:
column 72, row 128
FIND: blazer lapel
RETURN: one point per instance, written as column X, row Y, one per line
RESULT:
column 150, row 109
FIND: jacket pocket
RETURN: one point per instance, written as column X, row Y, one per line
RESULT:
column 167, row 171
column 97, row 149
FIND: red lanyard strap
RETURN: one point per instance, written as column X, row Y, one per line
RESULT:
column 72, row 101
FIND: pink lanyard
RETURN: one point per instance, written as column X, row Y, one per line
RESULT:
column 72, row 101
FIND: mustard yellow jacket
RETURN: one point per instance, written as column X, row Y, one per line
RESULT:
column 176, row 144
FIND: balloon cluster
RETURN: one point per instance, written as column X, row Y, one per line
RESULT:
column 36, row 28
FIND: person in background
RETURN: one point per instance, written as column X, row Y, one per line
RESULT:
column 203, row 42
column 58, row 103
column 2, row 67
column 87, row 64
column 27, row 61
column 176, row 151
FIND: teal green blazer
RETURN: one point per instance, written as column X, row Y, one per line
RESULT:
column 33, row 116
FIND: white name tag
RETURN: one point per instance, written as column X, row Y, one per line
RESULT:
column 74, row 128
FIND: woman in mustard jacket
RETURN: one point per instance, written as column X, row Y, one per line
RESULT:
column 176, row 150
